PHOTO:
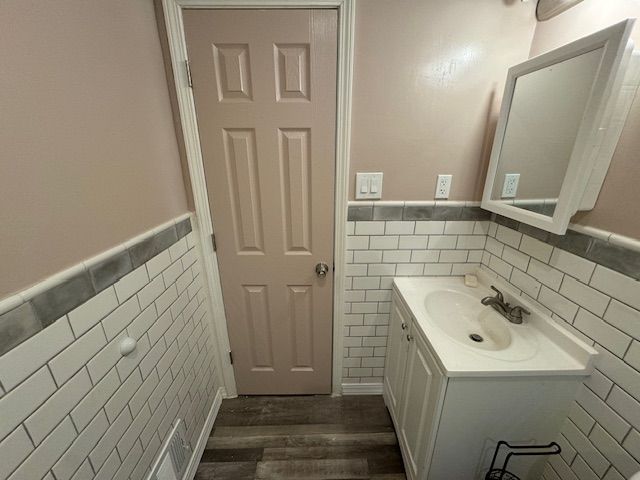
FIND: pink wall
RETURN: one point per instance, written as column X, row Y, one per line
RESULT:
column 425, row 75
column 89, row 156
column 619, row 197
column 428, row 76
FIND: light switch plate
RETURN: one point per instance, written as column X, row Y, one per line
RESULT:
column 368, row 186
column 443, row 186
column 510, row 186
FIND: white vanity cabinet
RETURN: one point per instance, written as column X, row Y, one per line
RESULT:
column 413, row 387
column 419, row 403
column 397, row 350
column 448, row 424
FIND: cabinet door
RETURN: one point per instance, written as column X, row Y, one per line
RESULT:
column 397, row 347
column 421, row 398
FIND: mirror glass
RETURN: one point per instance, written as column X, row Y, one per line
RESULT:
column 543, row 121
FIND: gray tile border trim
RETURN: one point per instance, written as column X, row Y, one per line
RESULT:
column 17, row 325
column 28, row 318
column 534, row 232
column 143, row 251
column 183, row 228
column 386, row 212
column 507, row 222
column 360, row 213
column 617, row 258
column 64, row 297
column 110, row 271
column 447, row 213
column 149, row 248
column 573, row 242
column 475, row 213
column 416, row 212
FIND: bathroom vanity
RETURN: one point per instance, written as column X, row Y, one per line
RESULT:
column 459, row 377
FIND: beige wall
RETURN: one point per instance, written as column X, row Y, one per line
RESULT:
column 620, row 196
column 425, row 74
column 88, row 154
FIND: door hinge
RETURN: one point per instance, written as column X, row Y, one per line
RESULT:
column 213, row 242
column 187, row 67
column 231, row 357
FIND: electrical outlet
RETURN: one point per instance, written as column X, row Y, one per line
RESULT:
column 510, row 186
column 443, row 186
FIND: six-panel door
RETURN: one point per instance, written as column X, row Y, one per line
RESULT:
column 264, row 83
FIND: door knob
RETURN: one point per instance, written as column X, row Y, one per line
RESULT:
column 322, row 269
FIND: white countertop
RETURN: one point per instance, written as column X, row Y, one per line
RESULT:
column 539, row 346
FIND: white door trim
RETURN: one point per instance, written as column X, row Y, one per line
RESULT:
column 178, row 52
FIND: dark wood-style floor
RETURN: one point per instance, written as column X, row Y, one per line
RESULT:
column 302, row 437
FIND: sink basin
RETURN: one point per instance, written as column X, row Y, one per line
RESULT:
column 464, row 319
column 458, row 315
column 470, row 338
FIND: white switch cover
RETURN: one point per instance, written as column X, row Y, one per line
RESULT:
column 510, row 186
column 369, row 186
column 443, row 186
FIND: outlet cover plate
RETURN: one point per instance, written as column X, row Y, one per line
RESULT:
column 443, row 186
column 510, row 185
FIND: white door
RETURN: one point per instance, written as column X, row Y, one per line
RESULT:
column 264, row 85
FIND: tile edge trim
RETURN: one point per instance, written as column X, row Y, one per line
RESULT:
column 447, row 210
column 601, row 247
column 16, row 299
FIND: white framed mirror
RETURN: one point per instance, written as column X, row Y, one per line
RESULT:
column 547, row 160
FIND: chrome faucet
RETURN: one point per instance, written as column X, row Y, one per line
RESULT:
column 513, row 314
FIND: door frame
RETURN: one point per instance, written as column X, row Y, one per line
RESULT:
column 172, row 10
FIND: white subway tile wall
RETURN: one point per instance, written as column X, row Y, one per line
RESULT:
column 377, row 251
column 72, row 407
column 600, row 436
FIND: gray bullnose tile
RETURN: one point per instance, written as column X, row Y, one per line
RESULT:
column 572, row 241
column 45, row 308
column 61, row 299
column 534, row 232
column 507, row 222
column 615, row 257
column 149, row 248
column 620, row 259
column 360, row 213
column 416, row 212
column 143, row 251
column 475, row 213
column 441, row 212
column 183, row 228
column 166, row 238
column 17, row 325
column 108, row 272
column 387, row 212
column 413, row 212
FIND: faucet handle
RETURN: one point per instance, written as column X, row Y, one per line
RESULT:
column 498, row 293
column 517, row 311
